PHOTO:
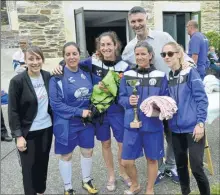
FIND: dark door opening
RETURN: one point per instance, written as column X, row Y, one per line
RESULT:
column 93, row 32
column 175, row 24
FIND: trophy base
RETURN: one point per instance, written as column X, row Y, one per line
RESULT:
column 136, row 124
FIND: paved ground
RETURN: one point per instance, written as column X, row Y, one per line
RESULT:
column 11, row 178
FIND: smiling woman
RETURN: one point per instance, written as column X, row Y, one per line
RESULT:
column 34, row 59
column 30, row 121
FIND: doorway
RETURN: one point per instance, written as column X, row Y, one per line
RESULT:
column 91, row 23
column 174, row 23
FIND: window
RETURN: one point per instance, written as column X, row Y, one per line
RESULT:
column 4, row 14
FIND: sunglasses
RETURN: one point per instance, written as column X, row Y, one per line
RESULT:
column 169, row 53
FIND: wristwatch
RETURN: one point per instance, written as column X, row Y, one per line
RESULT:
column 201, row 125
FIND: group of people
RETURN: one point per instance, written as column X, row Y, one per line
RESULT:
column 41, row 105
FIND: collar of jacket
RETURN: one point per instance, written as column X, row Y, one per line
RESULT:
column 144, row 70
column 174, row 74
column 112, row 63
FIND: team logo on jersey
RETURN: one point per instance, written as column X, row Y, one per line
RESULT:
column 81, row 92
column 180, row 79
column 99, row 72
column 71, row 80
column 83, row 76
column 152, row 82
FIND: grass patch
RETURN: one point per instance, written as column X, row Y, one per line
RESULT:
column 215, row 189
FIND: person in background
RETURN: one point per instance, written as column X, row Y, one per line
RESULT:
column 198, row 47
column 70, row 98
column 188, row 124
column 18, row 61
column 138, row 21
column 4, row 132
column 150, row 135
column 30, row 121
column 212, row 54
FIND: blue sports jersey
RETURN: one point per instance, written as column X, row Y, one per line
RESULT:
column 150, row 84
column 199, row 45
column 69, row 96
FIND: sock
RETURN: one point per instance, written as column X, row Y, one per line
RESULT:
column 66, row 173
column 174, row 171
column 158, row 172
column 86, row 167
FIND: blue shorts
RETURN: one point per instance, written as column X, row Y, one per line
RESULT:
column 116, row 122
column 135, row 141
column 83, row 139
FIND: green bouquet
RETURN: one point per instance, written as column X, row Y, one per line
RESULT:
column 103, row 98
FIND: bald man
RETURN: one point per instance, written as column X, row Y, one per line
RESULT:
column 198, row 47
column 18, row 57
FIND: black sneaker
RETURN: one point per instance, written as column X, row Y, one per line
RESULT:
column 159, row 178
column 69, row 192
column 89, row 187
column 173, row 175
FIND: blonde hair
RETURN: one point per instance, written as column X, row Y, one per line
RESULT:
column 178, row 49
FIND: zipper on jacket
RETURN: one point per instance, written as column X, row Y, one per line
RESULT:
column 177, row 98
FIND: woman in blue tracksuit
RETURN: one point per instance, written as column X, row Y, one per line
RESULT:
column 107, row 57
column 150, row 136
column 187, row 125
column 69, row 98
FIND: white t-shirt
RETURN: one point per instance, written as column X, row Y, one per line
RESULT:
column 42, row 119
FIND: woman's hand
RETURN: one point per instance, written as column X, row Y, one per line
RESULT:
column 198, row 133
column 57, row 70
column 133, row 100
column 102, row 86
column 21, row 144
column 86, row 113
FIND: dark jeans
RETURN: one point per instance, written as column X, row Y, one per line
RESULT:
column 182, row 143
column 34, row 161
column 169, row 155
column 3, row 127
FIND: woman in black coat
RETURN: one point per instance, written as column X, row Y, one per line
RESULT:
column 30, row 121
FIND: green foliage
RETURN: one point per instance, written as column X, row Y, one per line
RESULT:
column 214, row 39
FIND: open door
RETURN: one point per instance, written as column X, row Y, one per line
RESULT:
column 80, row 31
column 197, row 17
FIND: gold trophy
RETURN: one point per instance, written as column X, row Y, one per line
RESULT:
column 135, row 123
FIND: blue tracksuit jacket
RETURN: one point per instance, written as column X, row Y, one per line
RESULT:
column 100, row 68
column 187, row 89
column 69, row 96
column 152, row 83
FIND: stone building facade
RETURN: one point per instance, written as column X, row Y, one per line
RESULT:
column 210, row 15
column 43, row 22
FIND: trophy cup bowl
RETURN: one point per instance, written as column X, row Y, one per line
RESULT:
column 136, row 123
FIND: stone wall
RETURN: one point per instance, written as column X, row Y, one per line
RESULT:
column 43, row 22
column 210, row 16
column 149, row 7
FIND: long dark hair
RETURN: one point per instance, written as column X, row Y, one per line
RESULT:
column 113, row 36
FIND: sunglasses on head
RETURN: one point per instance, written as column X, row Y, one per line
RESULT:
column 169, row 53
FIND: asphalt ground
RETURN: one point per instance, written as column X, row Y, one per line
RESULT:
column 11, row 177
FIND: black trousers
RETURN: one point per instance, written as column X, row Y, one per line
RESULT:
column 3, row 127
column 182, row 143
column 34, row 161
